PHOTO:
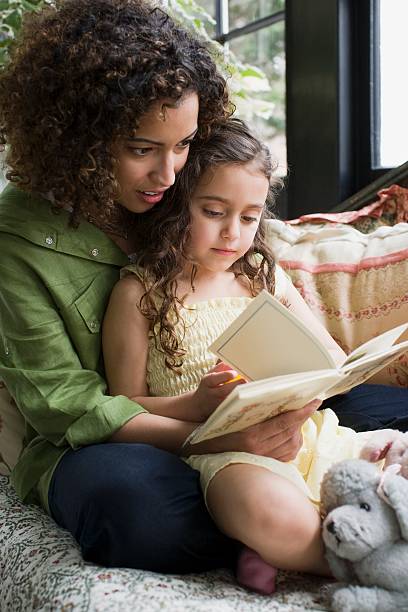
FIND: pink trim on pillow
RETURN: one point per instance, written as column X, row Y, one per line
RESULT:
column 394, row 196
column 364, row 264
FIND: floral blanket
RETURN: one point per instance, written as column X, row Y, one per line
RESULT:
column 41, row 569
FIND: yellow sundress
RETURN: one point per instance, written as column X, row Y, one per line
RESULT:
column 324, row 440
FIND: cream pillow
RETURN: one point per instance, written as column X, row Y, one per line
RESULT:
column 355, row 283
column 11, row 431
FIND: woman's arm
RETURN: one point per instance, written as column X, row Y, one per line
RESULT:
column 48, row 355
column 279, row 438
column 171, row 420
column 125, row 349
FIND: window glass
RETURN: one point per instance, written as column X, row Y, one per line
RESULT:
column 265, row 49
column 204, row 12
column 241, row 13
column 393, row 83
column 208, row 6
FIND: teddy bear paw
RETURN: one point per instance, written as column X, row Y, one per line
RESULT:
column 368, row 599
column 354, row 599
column 344, row 601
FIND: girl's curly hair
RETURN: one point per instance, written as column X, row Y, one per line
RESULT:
column 80, row 76
column 162, row 235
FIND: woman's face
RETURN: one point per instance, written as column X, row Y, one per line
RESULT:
column 149, row 159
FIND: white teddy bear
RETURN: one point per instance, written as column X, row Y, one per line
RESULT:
column 365, row 529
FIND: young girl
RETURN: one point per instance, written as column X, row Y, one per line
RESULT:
column 197, row 270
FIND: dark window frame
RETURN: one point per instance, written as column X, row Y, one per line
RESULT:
column 332, row 92
column 332, row 89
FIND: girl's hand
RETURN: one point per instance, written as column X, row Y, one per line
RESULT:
column 214, row 388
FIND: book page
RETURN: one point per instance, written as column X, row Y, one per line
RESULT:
column 268, row 340
column 255, row 402
column 359, row 371
column 376, row 345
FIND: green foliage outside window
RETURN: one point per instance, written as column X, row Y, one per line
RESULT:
column 11, row 14
column 250, row 88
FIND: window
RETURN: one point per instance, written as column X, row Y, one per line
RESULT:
column 391, row 119
column 265, row 49
column 338, row 86
column 254, row 31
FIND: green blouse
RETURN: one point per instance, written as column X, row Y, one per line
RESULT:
column 55, row 282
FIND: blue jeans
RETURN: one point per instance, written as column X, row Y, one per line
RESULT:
column 368, row 407
column 133, row 505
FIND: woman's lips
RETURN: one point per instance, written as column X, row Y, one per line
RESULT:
column 151, row 197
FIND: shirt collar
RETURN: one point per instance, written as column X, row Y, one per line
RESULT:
column 33, row 218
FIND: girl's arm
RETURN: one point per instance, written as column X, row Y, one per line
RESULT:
column 299, row 307
column 166, row 426
column 125, row 349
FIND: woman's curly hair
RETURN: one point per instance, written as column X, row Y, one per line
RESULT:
column 163, row 235
column 81, row 75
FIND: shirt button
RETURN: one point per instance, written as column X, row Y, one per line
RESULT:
column 7, row 351
column 95, row 252
column 49, row 240
column 93, row 324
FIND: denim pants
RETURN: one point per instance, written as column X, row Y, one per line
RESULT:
column 368, row 407
column 133, row 505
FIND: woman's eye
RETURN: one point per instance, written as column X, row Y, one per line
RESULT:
column 184, row 144
column 139, row 151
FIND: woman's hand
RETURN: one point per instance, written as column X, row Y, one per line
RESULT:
column 213, row 389
column 279, row 437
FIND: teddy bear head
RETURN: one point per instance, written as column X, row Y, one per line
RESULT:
column 357, row 518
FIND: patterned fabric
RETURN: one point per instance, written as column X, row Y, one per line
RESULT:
column 41, row 569
column 355, row 283
column 390, row 208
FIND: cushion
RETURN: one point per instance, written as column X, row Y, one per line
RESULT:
column 41, row 568
column 352, row 270
column 11, row 431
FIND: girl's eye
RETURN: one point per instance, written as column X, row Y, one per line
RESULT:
column 211, row 213
column 249, row 219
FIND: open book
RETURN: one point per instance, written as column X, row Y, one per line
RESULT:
column 288, row 366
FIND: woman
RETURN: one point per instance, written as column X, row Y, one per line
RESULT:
column 98, row 106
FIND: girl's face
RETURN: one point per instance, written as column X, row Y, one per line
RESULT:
column 149, row 159
column 226, row 209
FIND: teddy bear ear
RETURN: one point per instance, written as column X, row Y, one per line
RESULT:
column 346, row 479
